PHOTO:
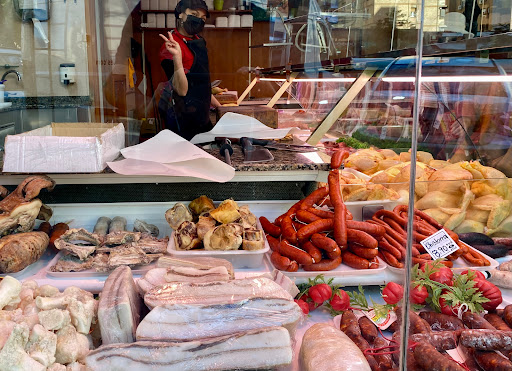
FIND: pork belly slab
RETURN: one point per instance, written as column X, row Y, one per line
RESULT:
column 220, row 292
column 186, row 322
column 257, row 349
column 119, row 307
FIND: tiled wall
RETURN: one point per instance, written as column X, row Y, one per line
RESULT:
column 20, row 43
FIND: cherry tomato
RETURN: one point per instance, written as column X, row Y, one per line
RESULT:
column 419, row 294
column 311, row 304
column 448, row 309
column 340, row 301
column 491, row 292
column 303, row 305
column 320, row 293
column 392, row 293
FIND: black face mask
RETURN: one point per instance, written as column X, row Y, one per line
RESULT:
column 193, row 25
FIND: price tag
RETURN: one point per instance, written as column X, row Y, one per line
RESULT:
column 381, row 321
column 439, row 245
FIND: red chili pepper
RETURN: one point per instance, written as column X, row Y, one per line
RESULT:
column 392, row 293
column 320, row 293
column 340, row 301
column 303, row 305
column 443, row 275
column 419, row 294
column 491, row 292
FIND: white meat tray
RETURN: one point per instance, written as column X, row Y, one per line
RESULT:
column 460, row 264
column 239, row 258
column 64, row 148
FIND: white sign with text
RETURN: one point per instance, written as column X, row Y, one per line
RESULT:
column 439, row 245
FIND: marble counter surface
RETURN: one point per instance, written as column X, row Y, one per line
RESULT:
column 47, row 102
column 283, row 161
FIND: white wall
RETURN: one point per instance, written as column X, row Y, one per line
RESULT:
column 20, row 43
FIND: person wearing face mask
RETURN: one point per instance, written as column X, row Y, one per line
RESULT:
column 185, row 102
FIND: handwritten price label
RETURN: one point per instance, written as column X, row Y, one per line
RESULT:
column 439, row 245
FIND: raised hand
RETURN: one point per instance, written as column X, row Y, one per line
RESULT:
column 172, row 46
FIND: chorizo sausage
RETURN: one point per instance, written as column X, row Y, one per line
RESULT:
column 291, row 211
column 442, row 322
column 384, row 361
column 288, row 231
column 497, row 322
column 390, row 214
column 492, row 361
column 58, row 230
column 318, row 226
column 384, row 245
column 362, row 238
column 349, row 324
column 354, row 261
column 273, row 243
column 340, row 210
column 315, row 197
column 390, row 259
column 306, row 217
column 429, row 358
column 312, row 250
column 368, row 329
column 283, row 263
column 323, row 265
column 324, row 214
column 507, row 314
column 372, row 229
column 441, row 340
column 46, row 228
column 338, row 157
column 476, row 321
column 362, row 251
column 486, row 339
column 327, row 244
column 294, row 253
column 374, row 263
column 270, row 227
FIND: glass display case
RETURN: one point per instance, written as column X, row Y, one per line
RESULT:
column 344, row 204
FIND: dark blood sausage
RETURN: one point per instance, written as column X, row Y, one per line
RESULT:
column 312, row 250
column 486, row 339
column 287, row 230
column 368, row 329
column 497, row 322
column 294, row 253
column 327, row 244
column 283, row 263
column 441, row 340
column 270, row 227
column 362, row 238
column 384, row 361
column 354, row 261
column 476, row 321
column 442, row 322
column 323, row 265
column 430, row 359
column 492, row 361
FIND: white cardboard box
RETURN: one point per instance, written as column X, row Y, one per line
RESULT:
column 64, row 148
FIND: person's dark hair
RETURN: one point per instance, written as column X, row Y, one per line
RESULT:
column 190, row 4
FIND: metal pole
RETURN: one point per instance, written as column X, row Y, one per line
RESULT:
column 98, row 51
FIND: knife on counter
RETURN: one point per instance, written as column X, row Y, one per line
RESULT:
column 272, row 144
column 252, row 153
column 226, row 150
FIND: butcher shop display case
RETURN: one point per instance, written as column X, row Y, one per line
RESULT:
column 351, row 209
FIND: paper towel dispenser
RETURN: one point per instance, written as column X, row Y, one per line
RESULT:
column 36, row 11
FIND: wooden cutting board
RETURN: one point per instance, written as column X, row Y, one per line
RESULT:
column 264, row 114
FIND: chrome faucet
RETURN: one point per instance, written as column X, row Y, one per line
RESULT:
column 11, row 71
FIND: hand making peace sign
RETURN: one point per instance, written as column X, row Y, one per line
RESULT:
column 172, row 46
